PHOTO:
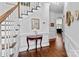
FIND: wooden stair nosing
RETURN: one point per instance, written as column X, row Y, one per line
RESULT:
column 3, row 46
column 8, row 36
column 12, row 55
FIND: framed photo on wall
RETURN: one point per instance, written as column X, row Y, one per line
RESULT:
column 51, row 24
column 35, row 23
column 68, row 18
column 25, row 4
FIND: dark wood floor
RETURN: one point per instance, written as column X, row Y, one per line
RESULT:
column 56, row 49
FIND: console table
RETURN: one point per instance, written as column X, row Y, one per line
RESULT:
column 36, row 38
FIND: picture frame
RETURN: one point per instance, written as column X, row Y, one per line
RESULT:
column 68, row 18
column 25, row 4
column 51, row 24
column 35, row 23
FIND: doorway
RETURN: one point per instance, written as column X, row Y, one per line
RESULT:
column 59, row 25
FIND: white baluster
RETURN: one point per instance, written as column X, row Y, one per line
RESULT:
column 0, row 42
column 8, row 37
column 11, row 34
column 5, row 40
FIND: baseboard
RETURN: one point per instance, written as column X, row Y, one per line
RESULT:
column 52, row 39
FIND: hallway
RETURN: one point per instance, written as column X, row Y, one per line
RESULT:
column 56, row 49
column 21, row 23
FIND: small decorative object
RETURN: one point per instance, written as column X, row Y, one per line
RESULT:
column 43, row 22
column 68, row 18
column 35, row 24
column 51, row 24
column 35, row 31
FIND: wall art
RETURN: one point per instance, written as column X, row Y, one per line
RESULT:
column 35, row 23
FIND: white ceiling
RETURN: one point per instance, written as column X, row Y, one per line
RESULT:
column 56, row 7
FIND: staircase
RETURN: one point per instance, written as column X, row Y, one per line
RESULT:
column 10, row 27
column 9, row 33
column 27, row 8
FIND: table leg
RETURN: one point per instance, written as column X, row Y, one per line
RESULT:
column 36, row 46
column 41, row 42
column 27, row 44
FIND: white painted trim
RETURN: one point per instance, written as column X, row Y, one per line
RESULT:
column 70, row 38
column 0, row 42
column 74, row 43
column 52, row 37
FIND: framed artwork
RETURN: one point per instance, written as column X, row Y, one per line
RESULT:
column 51, row 24
column 25, row 4
column 35, row 23
column 68, row 18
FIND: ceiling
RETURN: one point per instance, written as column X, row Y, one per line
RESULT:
column 56, row 7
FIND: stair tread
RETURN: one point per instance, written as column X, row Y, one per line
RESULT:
column 7, row 25
column 9, row 30
column 8, row 36
column 9, row 21
column 12, row 55
column 24, row 14
column 3, row 46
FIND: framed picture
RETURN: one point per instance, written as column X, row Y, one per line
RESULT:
column 35, row 23
column 51, row 24
column 68, row 18
column 25, row 4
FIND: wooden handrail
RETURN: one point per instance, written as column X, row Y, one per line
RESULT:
column 19, row 10
column 6, row 14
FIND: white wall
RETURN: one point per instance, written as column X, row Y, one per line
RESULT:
column 4, row 7
column 71, row 33
column 43, row 15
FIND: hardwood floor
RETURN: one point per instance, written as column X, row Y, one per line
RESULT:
column 56, row 49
